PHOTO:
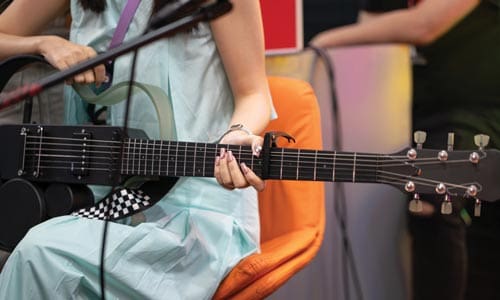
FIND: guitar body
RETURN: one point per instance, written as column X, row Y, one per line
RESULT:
column 45, row 171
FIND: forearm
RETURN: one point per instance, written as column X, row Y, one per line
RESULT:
column 391, row 27
column 418, row 25
column 239, row 38
column 15, row 45
column 23, row 20
column 253, row 112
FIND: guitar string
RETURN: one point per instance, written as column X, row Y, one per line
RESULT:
column 150, row 158
column 304, row 165
column 143, row 160
column 381, row 159
column 390, row 178
column 191, row 169
column 149, row 145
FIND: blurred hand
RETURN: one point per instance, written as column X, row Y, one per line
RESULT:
column 231, row 174
column 63, row 54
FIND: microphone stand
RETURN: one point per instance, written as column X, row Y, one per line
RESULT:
column 203, row 14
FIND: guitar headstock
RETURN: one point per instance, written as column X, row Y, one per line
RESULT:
column 449, row 173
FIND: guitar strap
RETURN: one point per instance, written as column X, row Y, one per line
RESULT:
column 122, row 203
column 125, row 201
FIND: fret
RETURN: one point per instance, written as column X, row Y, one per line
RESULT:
column 194, row 159
column 315, row 164
column 175, row 159
column 281, row 163
column 185, row 158
column 145, row 155
column 168, row 159
column 354, row 169
column 153, row 156
column 134, row 156
column 122, row 152
column 128, row 156
column 132, row 170
column 139, row 158
column 205, row 158
column 159, row 158
column 334, row 161
column 298, row 165
column 251, row 161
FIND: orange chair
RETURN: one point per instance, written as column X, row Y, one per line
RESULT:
column 292, row 213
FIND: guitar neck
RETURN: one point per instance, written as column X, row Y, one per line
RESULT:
column 171, row 158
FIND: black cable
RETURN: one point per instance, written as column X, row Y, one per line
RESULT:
column 340, row 206
column 124, row 134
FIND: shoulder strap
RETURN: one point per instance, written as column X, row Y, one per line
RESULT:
column 124, row 22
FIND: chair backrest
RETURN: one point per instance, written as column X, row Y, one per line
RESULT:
column 289, row 205
column 292, row 212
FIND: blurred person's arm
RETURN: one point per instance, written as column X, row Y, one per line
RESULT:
column 418, row 25
column 20, row 26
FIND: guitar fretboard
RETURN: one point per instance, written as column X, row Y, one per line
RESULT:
column 171, row 158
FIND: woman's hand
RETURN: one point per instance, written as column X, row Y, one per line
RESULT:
column 63, row 54
column 231, row 174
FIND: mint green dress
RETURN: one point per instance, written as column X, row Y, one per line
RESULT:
column 194, row 235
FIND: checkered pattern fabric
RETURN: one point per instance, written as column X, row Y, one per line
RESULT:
column 122, row 203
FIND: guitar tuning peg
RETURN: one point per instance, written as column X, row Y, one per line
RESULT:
column 451, row 141
column 419, row 138
column 477, row 208
column 415, row 204
column 446, row 206
column 481, row 140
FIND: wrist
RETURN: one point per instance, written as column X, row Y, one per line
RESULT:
column 39, row 44
column 235, row 129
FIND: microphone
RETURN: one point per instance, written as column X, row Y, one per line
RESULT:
column 173, row 10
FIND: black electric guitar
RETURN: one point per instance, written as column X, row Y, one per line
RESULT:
column 78, row 155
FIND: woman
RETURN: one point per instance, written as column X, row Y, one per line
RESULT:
column 199, row 230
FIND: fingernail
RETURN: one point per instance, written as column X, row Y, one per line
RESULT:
column 230, row 156
column 257, row 150
column 217, row 160
column 222, row 153
column 244, row 168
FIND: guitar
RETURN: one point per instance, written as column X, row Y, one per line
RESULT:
column 104, row 155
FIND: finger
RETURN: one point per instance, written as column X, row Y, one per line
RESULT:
column 62, row 65
column 257, row 145
column 237, row 178
column 100, row 75
column 217, row 170
column 253, row 179
column 82, row 55
column 70, row 60
column 88, row 76
column 224, row 176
